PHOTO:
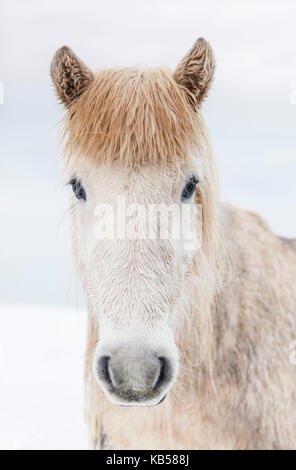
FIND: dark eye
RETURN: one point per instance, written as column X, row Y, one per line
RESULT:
column 78, row 189
column 189, row 188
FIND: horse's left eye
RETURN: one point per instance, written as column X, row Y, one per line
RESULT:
column 78, row 189
column 189, row 188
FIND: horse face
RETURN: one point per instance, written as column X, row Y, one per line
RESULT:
column 133, row 262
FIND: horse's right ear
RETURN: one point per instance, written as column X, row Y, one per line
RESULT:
column 196, row 70
column 70, row 75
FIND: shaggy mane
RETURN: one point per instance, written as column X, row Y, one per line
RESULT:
column 134, row 116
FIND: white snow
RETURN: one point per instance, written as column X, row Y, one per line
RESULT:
column 41, row 378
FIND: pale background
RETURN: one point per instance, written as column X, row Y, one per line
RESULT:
column 251, row 115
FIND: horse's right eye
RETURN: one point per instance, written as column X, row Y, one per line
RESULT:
column 78, row 189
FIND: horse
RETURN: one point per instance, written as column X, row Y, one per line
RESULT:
column 188, row 348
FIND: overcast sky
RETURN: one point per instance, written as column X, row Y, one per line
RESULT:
column 249, row 113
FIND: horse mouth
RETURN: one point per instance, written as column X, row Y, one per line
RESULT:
column 138, row 403
column 162, row 400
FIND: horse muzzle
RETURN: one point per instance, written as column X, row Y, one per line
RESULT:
column 134, row 377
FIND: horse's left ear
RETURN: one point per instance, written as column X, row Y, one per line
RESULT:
column 70, row 75
column 196, row 70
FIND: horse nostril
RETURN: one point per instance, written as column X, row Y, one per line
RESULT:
column 103, row 370
column 164, row 373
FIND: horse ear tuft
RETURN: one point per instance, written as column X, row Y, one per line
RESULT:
column 70, row 75
column 196, row 70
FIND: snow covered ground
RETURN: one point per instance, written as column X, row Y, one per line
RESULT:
column 41, row 378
